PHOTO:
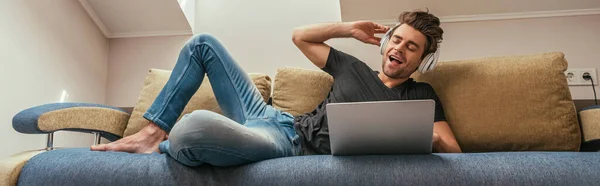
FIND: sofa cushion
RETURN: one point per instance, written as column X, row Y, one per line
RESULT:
column 511, row 103
column 298, row 91
column 84, row 167
column 203, row 99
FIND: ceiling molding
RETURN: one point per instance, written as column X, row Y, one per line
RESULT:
column 86, row 6
column 506, row 16
column 151, row 34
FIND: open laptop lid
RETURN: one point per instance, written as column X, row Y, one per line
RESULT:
column 384, row 127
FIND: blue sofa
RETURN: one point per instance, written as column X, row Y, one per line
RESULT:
column 82, row 167
column 526, row 132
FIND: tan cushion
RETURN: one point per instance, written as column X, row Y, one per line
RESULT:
column 10, row 168
column 590, row 124
column 203, row 99
column 512, row 103
column 299, row 91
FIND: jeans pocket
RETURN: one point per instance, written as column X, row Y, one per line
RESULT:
column 285, row 118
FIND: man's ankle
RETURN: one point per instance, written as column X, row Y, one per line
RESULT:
column 153, row 129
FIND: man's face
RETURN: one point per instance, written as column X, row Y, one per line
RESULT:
column 402, row 55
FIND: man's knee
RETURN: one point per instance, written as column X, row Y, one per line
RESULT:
column 202, row 38
column 197, row 125
column 195, row 132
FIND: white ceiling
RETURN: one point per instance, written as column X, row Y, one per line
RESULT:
column 353, row 10
column 137, row 18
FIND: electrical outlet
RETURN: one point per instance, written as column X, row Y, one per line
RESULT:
column 575, row 76
column 572, row 77
column 591, row 72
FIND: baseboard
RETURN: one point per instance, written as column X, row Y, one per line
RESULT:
column 583, row 103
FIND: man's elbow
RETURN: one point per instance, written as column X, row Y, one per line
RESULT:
column 297, row 35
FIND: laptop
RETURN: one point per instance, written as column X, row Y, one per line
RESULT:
column 382, row 127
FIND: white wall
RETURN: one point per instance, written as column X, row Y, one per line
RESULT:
column 129, row 60
column 189, row 10
column 258, row 34
column 578, row 37
column 47, row 47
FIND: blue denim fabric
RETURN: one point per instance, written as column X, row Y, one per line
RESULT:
column 249, row 131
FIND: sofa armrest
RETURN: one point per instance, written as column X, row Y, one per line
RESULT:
column 590, row 126
column 109, row 121
column 10, row 168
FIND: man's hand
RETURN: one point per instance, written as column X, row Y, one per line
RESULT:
column 443, row 138
column 436, row 138
column 365, row 31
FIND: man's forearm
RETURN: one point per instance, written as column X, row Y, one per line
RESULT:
column 319, row 33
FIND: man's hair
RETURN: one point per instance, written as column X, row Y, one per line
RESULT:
column 428, row 24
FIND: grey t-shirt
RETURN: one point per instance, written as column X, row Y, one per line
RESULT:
column 354, row 81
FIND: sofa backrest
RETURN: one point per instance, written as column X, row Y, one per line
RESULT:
column 203, row 99
column 511, row 103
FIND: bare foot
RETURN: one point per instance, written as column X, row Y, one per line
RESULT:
column 145, row 141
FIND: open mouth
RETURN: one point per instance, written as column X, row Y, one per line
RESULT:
column 395, row 59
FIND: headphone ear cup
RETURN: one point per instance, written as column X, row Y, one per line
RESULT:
column 425, row 63
column 429, row 61
column 383, row 43
column 385, row 39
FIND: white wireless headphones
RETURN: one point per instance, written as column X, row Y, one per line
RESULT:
column 428, row 62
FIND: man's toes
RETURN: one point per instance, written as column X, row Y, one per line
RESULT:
column 120, row 147
column 100, row 147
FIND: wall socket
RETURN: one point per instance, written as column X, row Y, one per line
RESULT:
column 575, row 76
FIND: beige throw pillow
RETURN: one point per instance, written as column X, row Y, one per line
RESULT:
column 511, row 103
column 298, row 91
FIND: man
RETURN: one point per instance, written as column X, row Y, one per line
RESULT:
column 251, row 130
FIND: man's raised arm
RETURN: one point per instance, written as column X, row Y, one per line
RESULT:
column 311, row 39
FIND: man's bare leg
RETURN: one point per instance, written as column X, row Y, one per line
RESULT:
column 144, row 141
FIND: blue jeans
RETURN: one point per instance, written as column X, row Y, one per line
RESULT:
column 248, row 131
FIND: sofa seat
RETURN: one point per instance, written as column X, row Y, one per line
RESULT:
column 79, row 166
